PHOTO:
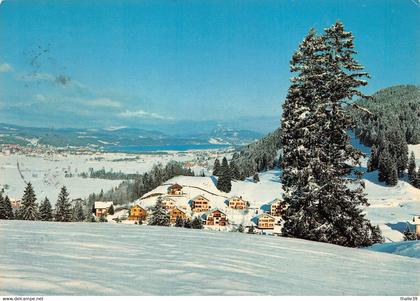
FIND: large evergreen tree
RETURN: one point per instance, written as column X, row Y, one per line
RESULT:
column 196, row 223
column 224, row 181
column 63, row 207
column 216, row 168
column 77, row 213
column 6, row 211
column 159, row 216
column 29, row 207
column 412, row 168
column 234, row 171
column 45, row 211
column 317, row 150
column 416, row 181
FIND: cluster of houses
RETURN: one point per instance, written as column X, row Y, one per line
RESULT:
column 200, row 206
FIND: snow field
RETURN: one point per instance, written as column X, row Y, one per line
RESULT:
column 42, row 258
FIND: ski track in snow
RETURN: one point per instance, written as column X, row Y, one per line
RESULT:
column 43, row 258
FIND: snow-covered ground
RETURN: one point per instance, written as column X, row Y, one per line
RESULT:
column 42, row 258
column 391, row 207
column 403, row 248
column 47, row 172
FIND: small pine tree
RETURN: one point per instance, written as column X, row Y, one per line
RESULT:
column 416, row 181
column 216, row 168
column 63, row 212
column 384, row 166
column 179, row 222
column 412, row 168
column 29, row 210
column 251, row 230
column 111, row 210
column 234, row 171
column 409, row 235
column 392, row 179
column 256, row 178
column 224, row 182
column 240, row 228
column 45, row 211
column 103, row 219
column 187, row 224
column 6, row 211
column 196, row 223
column 77, row 213
column 159, row 216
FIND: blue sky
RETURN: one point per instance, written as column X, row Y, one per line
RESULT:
column 150, row 63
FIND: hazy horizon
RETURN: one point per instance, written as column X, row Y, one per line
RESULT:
column 164, row 64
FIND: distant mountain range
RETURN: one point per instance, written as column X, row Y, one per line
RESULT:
column 120, row 137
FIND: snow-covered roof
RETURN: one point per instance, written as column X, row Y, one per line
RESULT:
column 200, row 196
column 206, row 214
column 181, row 209
column 275, row 201
column 175, row 186
column 257, row 217
column 103, row 205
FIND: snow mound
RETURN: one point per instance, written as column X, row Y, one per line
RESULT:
column 44, row 258
column 403, row 248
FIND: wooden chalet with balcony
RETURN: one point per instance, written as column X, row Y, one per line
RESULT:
column 236, row 202
column 177, row 212
column 276, row 207
column 264, row 221
column 168, row 204
column 175, row 190
column 215, row 217
column 137, row 213
column 102, row 208
column 200, row 204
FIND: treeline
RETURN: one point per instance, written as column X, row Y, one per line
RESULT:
column 108, row 175
column 259, row 156
column 130, row 190
column 226, row 172
column 29, row 209
column 392, row 122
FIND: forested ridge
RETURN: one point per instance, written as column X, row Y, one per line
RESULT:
column 396, row 107
column 260, row 155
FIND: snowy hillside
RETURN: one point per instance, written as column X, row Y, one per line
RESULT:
column 391, row 207
column 41, row 258
column 47, row 172
column 257, row 194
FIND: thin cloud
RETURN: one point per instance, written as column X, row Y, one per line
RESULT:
column 103, row 102
column 141, row 114
column 5, row 67
column 116, row 128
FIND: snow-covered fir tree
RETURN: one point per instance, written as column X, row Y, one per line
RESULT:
column 196, row 223
column 412, row 168
column 234, row 171
column 224, row 181
column 77, row 212
column 45, row 210
column 317, row 150
column 179, row 222
column 187, row 224
column 29, row 207
column 216, row 168
column 63, row 207
column 416, row 181
column 6, row 211
column 256, row 178
column 159, row 216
